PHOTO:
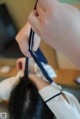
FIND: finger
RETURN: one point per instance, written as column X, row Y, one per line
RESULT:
column 23, row 44
column 22, row 39
column 35, row 22
column 40, row 10
column 25, row 31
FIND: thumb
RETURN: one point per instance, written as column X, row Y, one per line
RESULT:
column 34, row 20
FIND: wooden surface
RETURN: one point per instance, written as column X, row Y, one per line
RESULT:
column 64, row 77
column 12, row 64
column 19, row 10
column 50, row 54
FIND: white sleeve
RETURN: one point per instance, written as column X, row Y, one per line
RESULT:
column 58, row 104
column 73, row 99
column 50, row 91
column 7, row 85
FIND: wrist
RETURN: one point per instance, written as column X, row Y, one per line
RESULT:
column 40, row 83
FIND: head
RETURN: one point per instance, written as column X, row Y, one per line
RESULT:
column 26, row 103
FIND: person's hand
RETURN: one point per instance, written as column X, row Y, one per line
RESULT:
column 58, row 25
column 23, row 38
column 40, row 83
column 54, row 22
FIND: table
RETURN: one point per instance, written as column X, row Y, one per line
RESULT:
column 12, row 64
column 66, row 77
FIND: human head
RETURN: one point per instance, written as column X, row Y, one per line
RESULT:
column 26, row 103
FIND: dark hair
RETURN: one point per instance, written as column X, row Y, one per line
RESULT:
column 26, row 103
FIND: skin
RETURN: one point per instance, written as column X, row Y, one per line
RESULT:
column 58, row 24
column 22, row 39
column 40, row 83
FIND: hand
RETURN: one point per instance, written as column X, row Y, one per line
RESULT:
column 23, row 38
column 58, row 25
column 54, row 22
column 40, row 83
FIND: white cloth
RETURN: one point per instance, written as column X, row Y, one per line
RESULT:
column 33, row 68
column 48, row 69
column 62, row 108
column 7, row 85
